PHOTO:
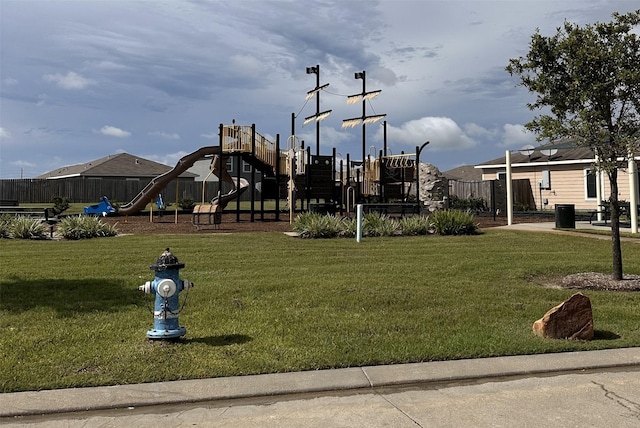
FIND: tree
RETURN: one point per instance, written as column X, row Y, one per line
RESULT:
column 587, row 82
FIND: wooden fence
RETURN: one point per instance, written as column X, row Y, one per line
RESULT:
column 83, row 190
column 494, row 193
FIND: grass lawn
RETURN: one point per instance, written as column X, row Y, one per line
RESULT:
column 71, row 314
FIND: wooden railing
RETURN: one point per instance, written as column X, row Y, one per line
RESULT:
column 239, row 139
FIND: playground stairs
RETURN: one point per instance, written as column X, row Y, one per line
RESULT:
column 254, row 148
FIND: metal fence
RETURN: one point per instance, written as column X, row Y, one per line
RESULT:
column 86, row 190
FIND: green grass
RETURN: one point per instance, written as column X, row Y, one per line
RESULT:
column 71, row 314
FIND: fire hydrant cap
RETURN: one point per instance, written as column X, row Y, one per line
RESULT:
column 166, row 261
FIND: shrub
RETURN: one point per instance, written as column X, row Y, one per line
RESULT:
column 85, row 227
column 453, row 222
column 22, row 227
column 186, row 203
column 60, row 205
column 415, row 225
column 470, row 203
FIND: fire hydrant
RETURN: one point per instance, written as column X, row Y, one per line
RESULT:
column 166, row 286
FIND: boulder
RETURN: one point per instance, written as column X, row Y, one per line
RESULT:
column 571, row 319
column 434, row 188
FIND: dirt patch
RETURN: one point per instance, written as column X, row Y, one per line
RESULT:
column 590, row 281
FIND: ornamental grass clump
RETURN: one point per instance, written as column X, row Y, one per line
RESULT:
column 22, row 227
column 415, row 225
column 454, row 222
column 5, row 226
column 376, row 224
column 315, row 225
column 349, row 227
column 85, row 227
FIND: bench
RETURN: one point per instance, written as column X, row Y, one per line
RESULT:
column 605, row 210
column 212, row 212
column 594, row 213
column 24, row 211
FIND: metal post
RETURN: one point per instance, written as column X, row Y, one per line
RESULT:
column 318, row 111
column 509, row 189
column 359, row 222
column 633, row 193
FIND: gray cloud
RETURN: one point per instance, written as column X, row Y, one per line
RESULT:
column 153, row 70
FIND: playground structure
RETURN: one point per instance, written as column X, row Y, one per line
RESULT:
column 309, row 182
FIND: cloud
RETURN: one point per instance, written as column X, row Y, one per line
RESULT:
column 210, row 136
column 475, row 130
column 71, row 80
column 168, row 159
column 165, row 135
column 4, row 134
column 10, row 81
column 24, row 164
column 112, row 131
column 516, row 136
column 442, row 132
column 329, row 137
column 42, row 100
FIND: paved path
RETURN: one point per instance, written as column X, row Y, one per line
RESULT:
column 550, row 227
column 592, row 388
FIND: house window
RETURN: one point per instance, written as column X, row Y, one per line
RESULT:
column 246, row 167
column 229, row 165
column 590, row 183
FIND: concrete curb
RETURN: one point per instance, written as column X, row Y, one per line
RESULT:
column 193, row 391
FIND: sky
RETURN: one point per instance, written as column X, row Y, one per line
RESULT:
column 83, row 79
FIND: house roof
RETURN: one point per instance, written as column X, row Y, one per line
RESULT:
column 557, row 152
column 464, row 173
column 118, row 165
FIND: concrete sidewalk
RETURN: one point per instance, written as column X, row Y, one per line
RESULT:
column 361, row 379
column 550, row 227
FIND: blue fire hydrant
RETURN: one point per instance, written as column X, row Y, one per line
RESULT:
column 166, row 286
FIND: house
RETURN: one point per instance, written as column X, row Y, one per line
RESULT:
column 120, row 177
column 562, row 173
column 463, row 173
column 121, row 165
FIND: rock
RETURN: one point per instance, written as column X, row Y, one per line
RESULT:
column 571, row 319
column 434, row 188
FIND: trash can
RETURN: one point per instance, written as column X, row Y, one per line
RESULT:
column 566, row 216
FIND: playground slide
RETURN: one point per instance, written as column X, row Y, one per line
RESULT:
column 223, row 200
column 156, row 185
